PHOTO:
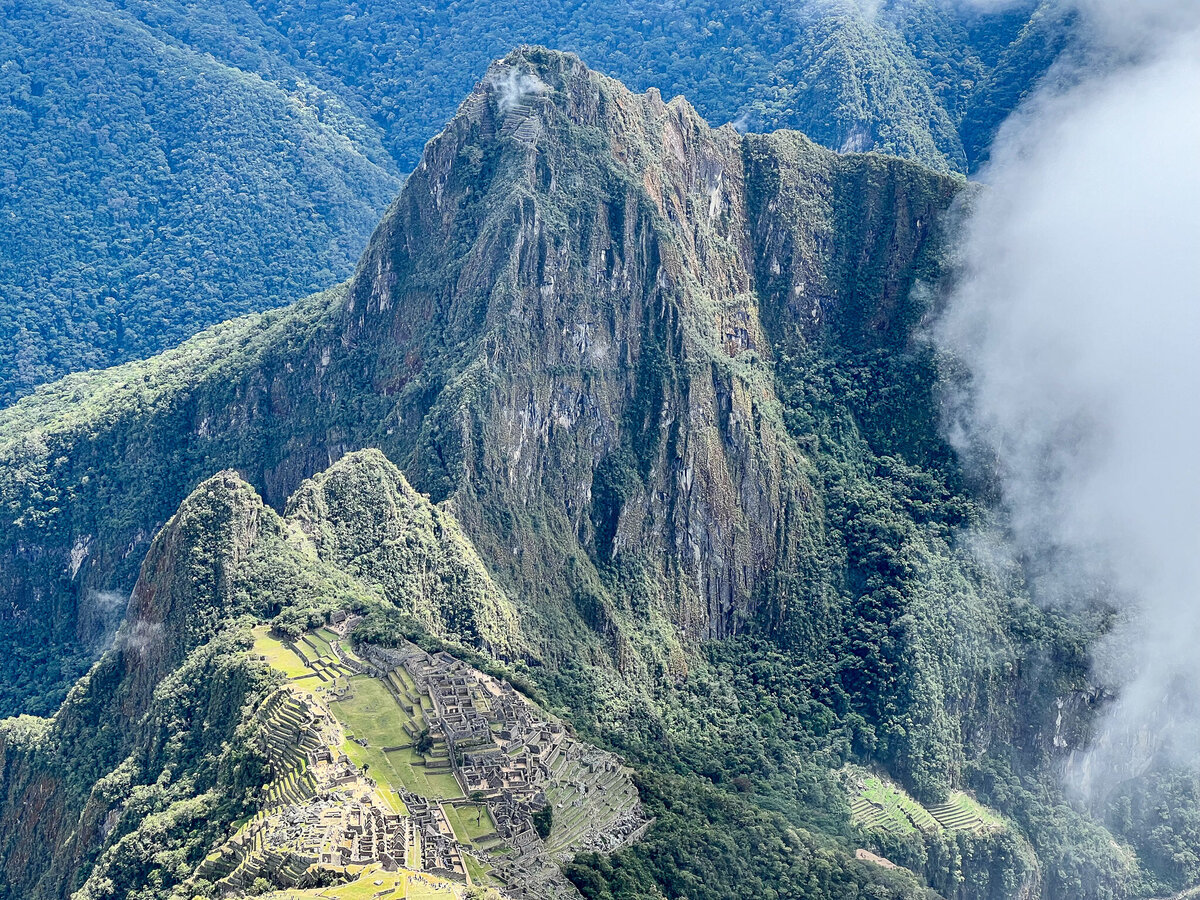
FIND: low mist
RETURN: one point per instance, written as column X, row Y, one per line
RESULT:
column 1078, row 321
column 512, row 86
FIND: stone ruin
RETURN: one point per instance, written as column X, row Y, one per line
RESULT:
column 321, row 811
column 505, row 752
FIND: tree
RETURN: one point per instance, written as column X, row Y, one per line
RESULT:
column 477, row 799
column 543, row 821
column 424, row 742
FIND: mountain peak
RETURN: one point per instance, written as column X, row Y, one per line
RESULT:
column 531, row 75
column 533, row 89
column 188, row 579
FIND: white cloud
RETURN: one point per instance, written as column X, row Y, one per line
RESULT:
column 1079, row 320
column 512, row 86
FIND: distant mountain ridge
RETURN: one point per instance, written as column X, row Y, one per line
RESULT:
column 170, row 165
column 148, row 189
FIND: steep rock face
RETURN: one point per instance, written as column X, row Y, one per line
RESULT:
column 149, row 704
column 186, row 592
column 622, row 302
column 565, row 323
column 602, row 310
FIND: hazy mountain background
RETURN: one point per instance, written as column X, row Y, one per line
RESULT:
column 166, row 165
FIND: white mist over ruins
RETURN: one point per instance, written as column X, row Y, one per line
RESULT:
column 1078, row 321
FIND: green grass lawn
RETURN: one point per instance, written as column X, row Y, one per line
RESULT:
column 403, row 675
column 391, row 886
column 477, row 871
column 418, row 890
column 278, row 654
column 470, row 821
column 372, row 713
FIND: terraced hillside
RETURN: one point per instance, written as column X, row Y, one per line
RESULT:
column 878, row 804
column 391, row 763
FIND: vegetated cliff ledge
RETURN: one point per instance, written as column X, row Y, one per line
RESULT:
column 564, row 322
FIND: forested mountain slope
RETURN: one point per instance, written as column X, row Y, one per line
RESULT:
column 167, row 165
column 172, row 741
column 668, row 382
column 148, row 189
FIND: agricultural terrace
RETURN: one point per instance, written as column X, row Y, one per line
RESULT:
column 417, row 775
column 878, row 804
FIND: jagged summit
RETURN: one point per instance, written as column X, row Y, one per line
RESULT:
column 519, row 86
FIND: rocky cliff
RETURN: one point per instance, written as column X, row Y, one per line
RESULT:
column 565, row 323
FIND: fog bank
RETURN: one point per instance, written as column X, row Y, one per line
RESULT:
column 1078, row 320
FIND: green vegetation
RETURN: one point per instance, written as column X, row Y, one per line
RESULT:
column 168, row 165
column 370, row 712
column 375, row 884
column 479, row 874
column 471, row 821
column 708, row 844
column 897, row 80
column 279, row 656
column 879, row 804
column 962, row 813
column 175, row 770
column 543, row 821
column 150, row 189
column 1159, row 815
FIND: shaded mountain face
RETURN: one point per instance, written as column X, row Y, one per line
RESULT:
column 170, row 165
column 663, row 390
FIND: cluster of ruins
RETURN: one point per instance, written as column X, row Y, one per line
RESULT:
column 505, row 755
column 323, row 812
column 320, row 811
